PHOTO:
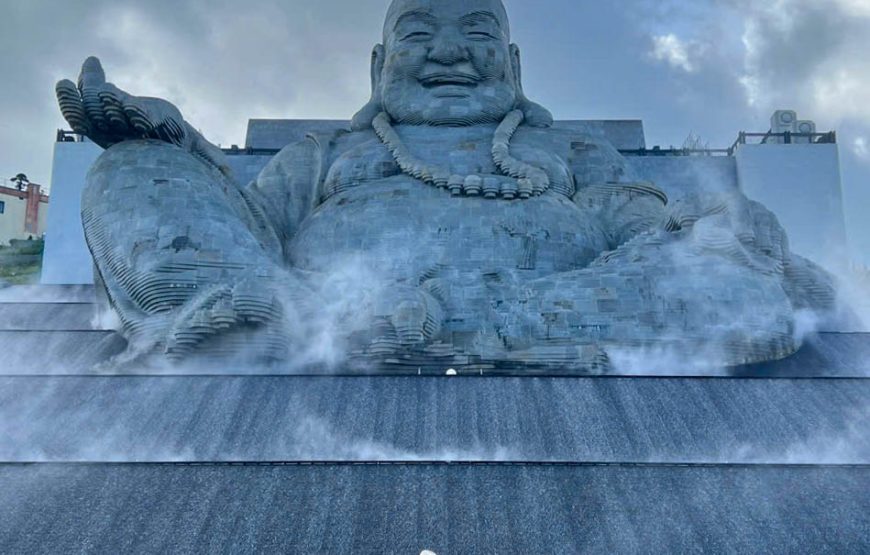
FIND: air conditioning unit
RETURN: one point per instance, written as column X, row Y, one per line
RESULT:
column 805, row 127
column 784, row 121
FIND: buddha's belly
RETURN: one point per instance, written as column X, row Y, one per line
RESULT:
column 404, row 230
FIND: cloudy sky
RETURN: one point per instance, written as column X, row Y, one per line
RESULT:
column 707, row 67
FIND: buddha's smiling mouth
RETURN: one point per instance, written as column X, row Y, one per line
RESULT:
column 449, row 80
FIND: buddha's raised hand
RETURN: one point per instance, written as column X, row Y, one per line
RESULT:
column 107, row 115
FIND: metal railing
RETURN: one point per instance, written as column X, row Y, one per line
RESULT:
column 743, row 138
column 236, row 150
column 64, row 136
column 786, row 138
column 658, row 151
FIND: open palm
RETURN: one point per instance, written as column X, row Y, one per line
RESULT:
column 107, row 115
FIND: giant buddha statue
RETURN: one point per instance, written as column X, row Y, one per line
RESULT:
column 483, row 234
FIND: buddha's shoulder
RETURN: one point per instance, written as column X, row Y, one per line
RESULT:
column 590, row 156
column 317, row 152
column 355, row 143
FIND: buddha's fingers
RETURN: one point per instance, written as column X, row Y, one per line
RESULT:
column 138, row 117
column 91, row 82
column 170, row 132
column 113, row 106
column 92, row 74
column 175, row 129
column 199, row 320
column 71, row 106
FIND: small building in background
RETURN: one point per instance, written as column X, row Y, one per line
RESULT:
column 795, row 172
column 23, row 212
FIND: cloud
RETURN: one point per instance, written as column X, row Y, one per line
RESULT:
column 807, row 54
column 860, row 8
column 221, row 62
column 861, row 148
column 676, row 53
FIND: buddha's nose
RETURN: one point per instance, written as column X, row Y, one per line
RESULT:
column 448, row 49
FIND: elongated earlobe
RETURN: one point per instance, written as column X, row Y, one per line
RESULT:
column 535, row 114
column 364, row 118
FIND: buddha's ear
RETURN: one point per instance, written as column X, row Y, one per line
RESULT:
column 363, row 119
column 535, row 114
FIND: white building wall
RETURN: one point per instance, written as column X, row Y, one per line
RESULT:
column 67, row 259
column 801, row 184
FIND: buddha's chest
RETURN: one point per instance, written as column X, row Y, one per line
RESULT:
column 451, row 151
column 404, row 229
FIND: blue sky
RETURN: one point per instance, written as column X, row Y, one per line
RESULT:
column 707, row 67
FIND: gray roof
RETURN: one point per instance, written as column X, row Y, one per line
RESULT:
column 622, row 134
column 277, row 133
column 444, row 508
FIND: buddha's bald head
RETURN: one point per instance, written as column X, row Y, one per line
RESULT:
column 399, row 8
column 447, row 62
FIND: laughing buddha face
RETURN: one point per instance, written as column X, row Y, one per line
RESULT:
column 447, row 62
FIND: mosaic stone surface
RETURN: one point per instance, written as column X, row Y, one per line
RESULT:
column 434, row 233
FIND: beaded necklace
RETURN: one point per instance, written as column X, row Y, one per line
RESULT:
column 527, row 180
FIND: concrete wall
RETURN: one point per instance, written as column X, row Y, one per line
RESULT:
column 67, row 259
column 678, row 176
column 801, row 185
column 246, row 167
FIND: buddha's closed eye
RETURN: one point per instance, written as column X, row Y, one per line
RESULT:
column 418, row 35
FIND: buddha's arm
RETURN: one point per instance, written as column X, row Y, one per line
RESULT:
column 623, row 210
column 729, row 227
column 726, row 225
column 287, row 187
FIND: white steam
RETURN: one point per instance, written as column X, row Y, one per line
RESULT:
column 846, row 446
column 339, row 302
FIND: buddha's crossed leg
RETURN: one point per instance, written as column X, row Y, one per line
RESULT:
column 183, row 252
column 674, row 297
